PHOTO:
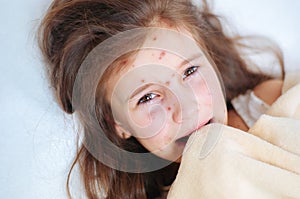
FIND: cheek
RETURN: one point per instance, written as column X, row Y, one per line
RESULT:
column 201, row 90
column 148, row 121
column 159, row 143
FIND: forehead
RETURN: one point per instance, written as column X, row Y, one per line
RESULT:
column 159, row 57
column 167, row 47
column 162, row 47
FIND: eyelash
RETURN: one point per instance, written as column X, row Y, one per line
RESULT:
column 189, row 71
column 149, row 96
column 145, row 98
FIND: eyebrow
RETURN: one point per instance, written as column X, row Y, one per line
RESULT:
column 140, row 89
column 185, row 61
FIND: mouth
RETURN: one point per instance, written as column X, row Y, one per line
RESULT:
column 183, row 140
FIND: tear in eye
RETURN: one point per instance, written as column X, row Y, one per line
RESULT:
column 189, row 71
column 146, row 98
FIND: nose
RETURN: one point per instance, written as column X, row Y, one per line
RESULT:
column 184, row 103
column 183, row 98
column 177, row 114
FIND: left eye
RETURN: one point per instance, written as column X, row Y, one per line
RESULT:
column 189, row 71
column 146, row 98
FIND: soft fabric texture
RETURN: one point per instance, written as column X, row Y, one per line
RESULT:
column 264, row 163
column 249, row 107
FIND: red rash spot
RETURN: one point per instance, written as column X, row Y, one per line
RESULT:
column 142, row 80
column 124, row 62
column 169, row 108
column 154, row 38
column 162, row 54
column 167, row 83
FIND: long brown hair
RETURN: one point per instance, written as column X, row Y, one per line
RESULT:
column 69, row 32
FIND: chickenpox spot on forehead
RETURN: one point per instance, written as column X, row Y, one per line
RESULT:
column 162, row 54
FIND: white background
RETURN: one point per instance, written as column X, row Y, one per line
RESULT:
column 37, row 142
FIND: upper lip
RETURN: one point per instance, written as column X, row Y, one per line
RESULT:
column 197, row 128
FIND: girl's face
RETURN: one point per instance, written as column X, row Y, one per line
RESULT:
column 161, row 98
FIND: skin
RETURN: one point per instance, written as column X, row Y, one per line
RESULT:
column 161, row 97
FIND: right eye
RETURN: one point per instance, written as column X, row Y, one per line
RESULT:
column 146, row 98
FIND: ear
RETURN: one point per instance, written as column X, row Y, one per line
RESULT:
column 122, row 133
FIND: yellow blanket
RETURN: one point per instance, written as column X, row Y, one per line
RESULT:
column 221, row 162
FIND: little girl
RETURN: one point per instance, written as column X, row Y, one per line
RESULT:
column 141, row 77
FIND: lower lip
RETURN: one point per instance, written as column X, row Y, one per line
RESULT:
column 202, row 125
column 182, row 144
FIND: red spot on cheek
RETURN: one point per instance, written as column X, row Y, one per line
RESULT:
column 124, row 62
column 169, row 108
column 170, row 25
column 162, row 54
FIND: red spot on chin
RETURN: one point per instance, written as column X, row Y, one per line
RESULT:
column 169, row 108
column 162, row 54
